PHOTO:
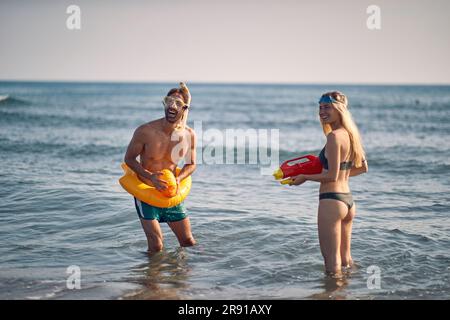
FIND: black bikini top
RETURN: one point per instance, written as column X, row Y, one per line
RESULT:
column 343, row 166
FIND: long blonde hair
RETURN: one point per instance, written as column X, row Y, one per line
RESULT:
column 357, row 152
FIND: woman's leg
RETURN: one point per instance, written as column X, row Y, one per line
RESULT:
column 346, row 237
column 331, row 213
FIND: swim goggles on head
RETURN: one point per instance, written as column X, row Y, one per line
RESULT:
column 327, row 99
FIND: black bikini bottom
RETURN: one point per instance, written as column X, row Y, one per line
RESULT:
column 340, row 196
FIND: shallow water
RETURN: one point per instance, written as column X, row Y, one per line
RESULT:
column 61, row 148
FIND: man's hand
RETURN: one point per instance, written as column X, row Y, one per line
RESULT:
column 178, row 184
column 298, row 180
column 160, row 185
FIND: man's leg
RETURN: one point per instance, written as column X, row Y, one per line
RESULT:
column 154, row 235
column 148, row 216
column 182, row 230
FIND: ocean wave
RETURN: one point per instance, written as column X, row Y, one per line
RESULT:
column 409, row 167
column 58, row 120
column 411, row 236
column 11, row 101
column 62, row 150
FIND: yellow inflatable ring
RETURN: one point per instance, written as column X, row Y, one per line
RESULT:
column 148, row 194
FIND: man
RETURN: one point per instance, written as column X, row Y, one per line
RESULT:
column 161, row 144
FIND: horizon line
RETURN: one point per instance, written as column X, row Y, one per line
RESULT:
column 115, row 81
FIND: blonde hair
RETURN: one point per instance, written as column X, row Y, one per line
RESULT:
column 357, row 152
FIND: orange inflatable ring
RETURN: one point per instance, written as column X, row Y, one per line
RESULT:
column 148, row 194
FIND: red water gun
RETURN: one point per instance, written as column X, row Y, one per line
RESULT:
column 308, row 164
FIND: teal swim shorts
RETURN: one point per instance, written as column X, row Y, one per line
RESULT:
column 148, row 212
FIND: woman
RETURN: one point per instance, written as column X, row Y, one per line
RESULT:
column 342, row 157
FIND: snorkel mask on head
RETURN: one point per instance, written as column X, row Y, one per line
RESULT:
column 182, row 105
column 169, row 100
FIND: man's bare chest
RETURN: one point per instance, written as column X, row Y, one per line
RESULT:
column 160, row 146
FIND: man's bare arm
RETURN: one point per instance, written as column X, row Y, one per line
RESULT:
column 191, row 164
column 134, row 149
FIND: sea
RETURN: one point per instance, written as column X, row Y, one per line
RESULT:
column 69, row 231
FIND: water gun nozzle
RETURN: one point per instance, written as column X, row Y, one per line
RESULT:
column 278, row 174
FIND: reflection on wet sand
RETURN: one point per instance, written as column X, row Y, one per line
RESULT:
column 163, row 277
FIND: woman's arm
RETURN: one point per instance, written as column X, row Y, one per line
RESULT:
column 357, row 171
column 333, row 148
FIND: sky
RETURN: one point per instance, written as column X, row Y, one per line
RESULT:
column 264, row 41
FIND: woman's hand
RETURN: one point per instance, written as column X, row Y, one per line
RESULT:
column 298, row 180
